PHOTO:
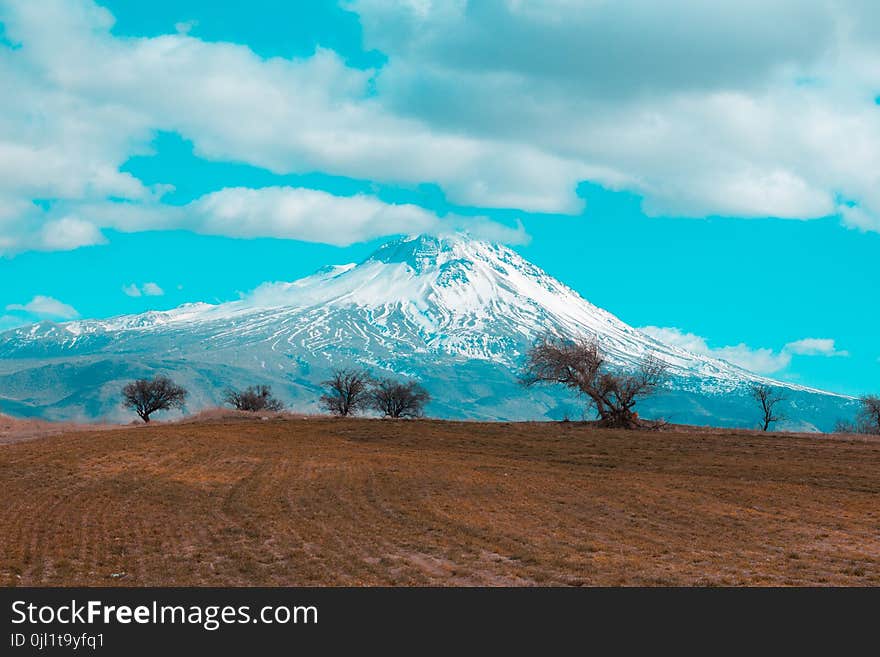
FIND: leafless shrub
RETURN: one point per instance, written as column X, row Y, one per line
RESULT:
column 579, row 364
column 349, row 392
column 768, row 399
column 254, row 399
column 869, row 415
column 396, row 399
column 147, row 396
column 867, row 420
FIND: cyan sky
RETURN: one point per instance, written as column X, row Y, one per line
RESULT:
column 666, row 225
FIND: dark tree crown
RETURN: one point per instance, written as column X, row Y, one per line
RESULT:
column 254, row 399
column 395, row 399
column 348, row 392
column 580, row 365
column 147, row 396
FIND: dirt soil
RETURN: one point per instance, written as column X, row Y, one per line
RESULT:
column 287, row 501
column 13, row 429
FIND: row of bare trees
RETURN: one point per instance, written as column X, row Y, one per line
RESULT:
column 349, row 392
column 867, row 420
column 148, row 396
column 352, row 391
column 577, row 364
column 613, row 394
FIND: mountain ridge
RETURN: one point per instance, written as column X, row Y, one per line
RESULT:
column 417, row 304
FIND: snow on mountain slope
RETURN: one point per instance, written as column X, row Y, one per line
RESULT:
column 419, row 306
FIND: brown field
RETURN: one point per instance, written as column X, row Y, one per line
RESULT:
column 13, row 430
column 368, row 502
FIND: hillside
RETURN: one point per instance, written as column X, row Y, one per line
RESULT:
column 457, row 313
column 352, row 502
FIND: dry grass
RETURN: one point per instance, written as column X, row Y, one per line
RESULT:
column 236, row 501
column 220, row 414
column 13, row 430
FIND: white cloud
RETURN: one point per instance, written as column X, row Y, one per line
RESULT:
column 815, row 347
column 44, row 307
column 153, row 290
column 749, row 110
column 185, row 27
column 132, row 290
column 69, row 233
column 147, row 289
column 316, row 216
column 856, row 217
column 297, row 213
column 760, row 360
column 101, row 98
column 304, row 214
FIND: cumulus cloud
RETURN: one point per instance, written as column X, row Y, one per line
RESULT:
column 760, row 360
column 233, row 105
column 153, row 290
column 44, row 307
column 856, row 217
column 304, row 214
column 100, row 99
column 754, row 109
column 298, row 213
column 69, row 233
column 749, row 109
column 316, row 216
column 147, row 289
column 814, row 347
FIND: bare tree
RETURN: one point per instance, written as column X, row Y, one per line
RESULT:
column 395, row 399
column 869, row 415
column 146, row 396
column 867, row 419
column 580, row 365
column 254, row 398
column 768, row 399
column 349, row 392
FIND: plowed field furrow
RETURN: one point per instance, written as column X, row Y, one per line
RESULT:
column 368, row 502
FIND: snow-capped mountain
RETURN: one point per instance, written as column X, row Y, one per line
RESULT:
column 457, row 313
